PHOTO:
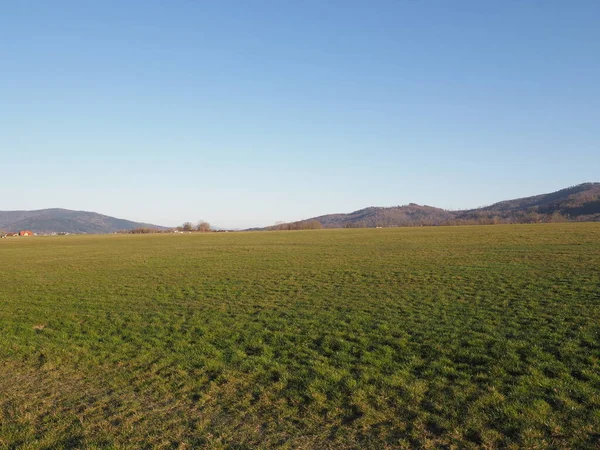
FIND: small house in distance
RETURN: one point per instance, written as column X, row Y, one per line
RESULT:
column 25, row 233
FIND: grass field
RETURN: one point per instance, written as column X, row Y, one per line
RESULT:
column 455, row 337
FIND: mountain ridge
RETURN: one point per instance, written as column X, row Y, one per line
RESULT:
column 575, row 203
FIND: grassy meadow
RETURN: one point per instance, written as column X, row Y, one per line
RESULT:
column 441, row 337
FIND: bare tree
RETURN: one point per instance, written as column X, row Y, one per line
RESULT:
column 203, row 226
column 187, row 226
column 314, row 225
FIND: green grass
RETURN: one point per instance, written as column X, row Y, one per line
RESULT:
column 455, row 337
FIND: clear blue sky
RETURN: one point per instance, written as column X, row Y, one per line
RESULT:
column 244, row 113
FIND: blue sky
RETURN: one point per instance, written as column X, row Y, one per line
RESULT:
column 245, row 113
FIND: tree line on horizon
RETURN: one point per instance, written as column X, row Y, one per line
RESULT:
column 201, row 226
column 299, row 225
column 473, row 218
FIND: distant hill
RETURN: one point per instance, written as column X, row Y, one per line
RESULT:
column 65, row 221
column 393, row 216
column 577, row 203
